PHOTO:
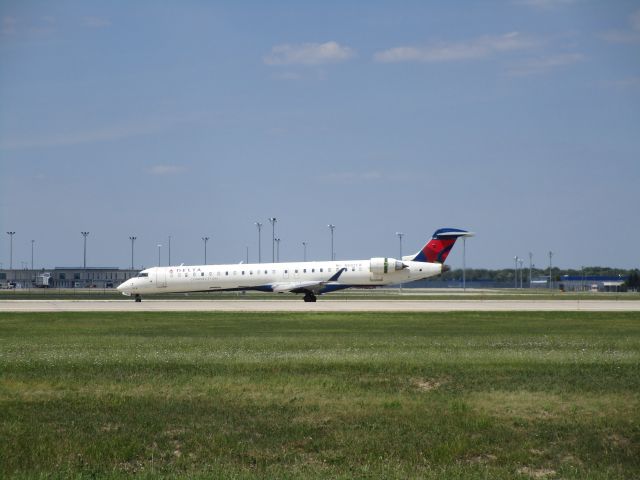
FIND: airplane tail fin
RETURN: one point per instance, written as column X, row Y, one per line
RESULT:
column 437, row 249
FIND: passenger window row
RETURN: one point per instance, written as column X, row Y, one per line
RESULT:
column 254, row 272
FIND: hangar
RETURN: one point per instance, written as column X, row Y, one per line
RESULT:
column 66, row 277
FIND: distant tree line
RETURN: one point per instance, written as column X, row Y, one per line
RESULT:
column 507, row 274
column 633, row 280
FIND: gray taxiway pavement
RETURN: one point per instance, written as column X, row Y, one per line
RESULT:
column 320, row 306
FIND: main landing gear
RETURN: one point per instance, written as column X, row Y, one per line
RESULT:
column 138, row 298
column 309, row 297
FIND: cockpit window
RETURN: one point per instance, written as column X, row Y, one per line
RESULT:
column 143, row 275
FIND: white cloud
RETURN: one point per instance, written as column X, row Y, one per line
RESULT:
column 630, row 35
column 629, row 82
column 351, row 177
column 96, row 22
column 634, row 19
column 544, row 64
column 108, row 133
column 39, row 28
column 286, row 76
column 620, row 36
column 478, row 48
column 165, row 169
column 308, row 54
column 276, row 131
column 545, row 4
column 369, row 177
column 8, row 25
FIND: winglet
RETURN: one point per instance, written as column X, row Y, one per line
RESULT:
column 337, row 275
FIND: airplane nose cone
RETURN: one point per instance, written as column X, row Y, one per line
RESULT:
column 125, row 287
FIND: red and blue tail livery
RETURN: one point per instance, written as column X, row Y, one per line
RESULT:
column 441, row 243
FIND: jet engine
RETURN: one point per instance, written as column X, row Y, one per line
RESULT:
column 379, row 266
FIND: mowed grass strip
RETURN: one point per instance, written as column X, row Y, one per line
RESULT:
column 340, row 395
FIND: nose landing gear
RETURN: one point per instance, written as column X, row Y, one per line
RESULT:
column 137, row 298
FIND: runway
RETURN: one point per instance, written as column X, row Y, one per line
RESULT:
column 320, row 306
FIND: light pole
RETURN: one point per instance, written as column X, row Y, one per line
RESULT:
column 11, row 234
column 515, row 271
column 277, row 240
column 400, row 235
column 464, row 259
column 520, row 261
column 464, row 264
column 205, row 240
column 530, row 267
column 169, row 259
column 550, row 278
column 259, row 225
column 133, row 239
column 247, row 252
column 84, row 261
column 273, row 221
column 304, row 246
column 159, row 247
column 333, row 254
column 32, row 242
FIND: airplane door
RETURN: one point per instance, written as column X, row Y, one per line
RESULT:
column 161, row 277
column 285, row 274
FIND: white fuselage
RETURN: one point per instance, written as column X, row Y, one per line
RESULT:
column 273, row 277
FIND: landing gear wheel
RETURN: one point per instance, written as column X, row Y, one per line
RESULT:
column 310, row 297
column 138, row 298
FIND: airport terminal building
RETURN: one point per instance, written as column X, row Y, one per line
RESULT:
column 592, row 283
column 66, row 277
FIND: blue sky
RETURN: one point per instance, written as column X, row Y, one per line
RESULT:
column 519, row 120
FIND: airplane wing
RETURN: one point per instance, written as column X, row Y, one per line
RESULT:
column 309, row 286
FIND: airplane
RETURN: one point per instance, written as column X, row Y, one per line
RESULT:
column 308, row 278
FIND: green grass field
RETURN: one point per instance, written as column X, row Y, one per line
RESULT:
column 335, row 395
